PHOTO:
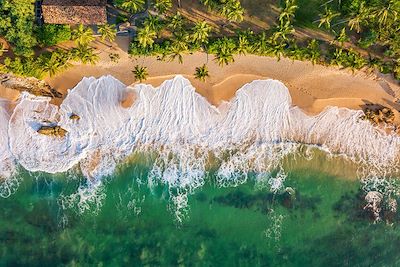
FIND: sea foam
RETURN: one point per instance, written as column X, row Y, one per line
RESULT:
column 251, row 133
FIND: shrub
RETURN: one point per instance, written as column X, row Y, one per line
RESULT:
column 52, row 34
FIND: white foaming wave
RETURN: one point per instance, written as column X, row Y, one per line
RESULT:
column 7, row 163
column 258, row 128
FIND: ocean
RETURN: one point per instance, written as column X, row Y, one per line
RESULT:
column 174, row 181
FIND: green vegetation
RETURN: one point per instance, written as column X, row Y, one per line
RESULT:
column 108, row 32
column 355, row 25
column 140, row 73
column 232, row 10
column 201, row 73
column 132, row 6
column 361, row 34
column 52, row 34
column 17, row 25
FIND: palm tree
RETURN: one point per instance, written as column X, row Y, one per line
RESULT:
column 85, row 54
column 359, row 17
column 261, row 44
column 55, row 63
column 181, row 40
column 200, row 32
column 2, row 49
column 281, row 32
column 108, row 32
column 140, row 73
column 288, row 12
column 233, row 11
column 327, row 17
column 387, row 13
column 145, row 36
column 176, row 52
column 314, row 51
column 176, row 21
column 82, row 35
column 243, row 45
column 201, row 73
column 153, row 22
column 342, row 37
column 224, row 56
column 163, row 6
column 133, row 6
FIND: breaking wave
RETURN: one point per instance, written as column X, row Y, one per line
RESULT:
column 250, row 134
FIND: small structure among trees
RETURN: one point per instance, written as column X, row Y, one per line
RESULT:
column 87, row 12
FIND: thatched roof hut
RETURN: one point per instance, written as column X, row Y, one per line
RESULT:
column 87, row 12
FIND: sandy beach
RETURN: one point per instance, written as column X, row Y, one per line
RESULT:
column 313, row 87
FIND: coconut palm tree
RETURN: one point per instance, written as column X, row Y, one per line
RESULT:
column 153, row 22
column 108, row 32
column 162, row 6
column 224, row 56
column 133, row 6
column 145, row 36
column 327, row 17
column 282, row 33
column 140, row 73
column 261, row 44
column 287, row 14
column 314, row 51
column 341, row 37
column 176, row 22
column 201, row 32
column 201, row 73
column 82, row 35
column 180, row 39
column 388, row 12
column 176, row 51
column 359, row 17
column 86, row 54
column 56, row 62
column 232, row 10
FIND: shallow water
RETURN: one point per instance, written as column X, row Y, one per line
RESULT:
column 132, row 224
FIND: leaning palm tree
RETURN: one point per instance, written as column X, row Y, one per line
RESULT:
column 133, row 6
column 201, row 73
column 140, row 73
column 327, row 17
column 162, row 6
column 176, row 52
column 108, row 32
column 200, row 32
column 145, row 36
column 82, row 35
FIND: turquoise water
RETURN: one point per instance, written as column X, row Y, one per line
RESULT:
column 323, row 224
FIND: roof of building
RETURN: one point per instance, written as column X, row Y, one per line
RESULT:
column 87, row 12
column 75, row 2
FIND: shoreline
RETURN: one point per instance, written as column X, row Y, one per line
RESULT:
column 312, row 87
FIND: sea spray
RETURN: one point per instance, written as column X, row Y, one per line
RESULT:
column 250, row 134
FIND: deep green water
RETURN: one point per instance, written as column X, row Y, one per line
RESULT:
column 323, row 225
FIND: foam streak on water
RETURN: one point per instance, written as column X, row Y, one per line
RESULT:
column 252, row 133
